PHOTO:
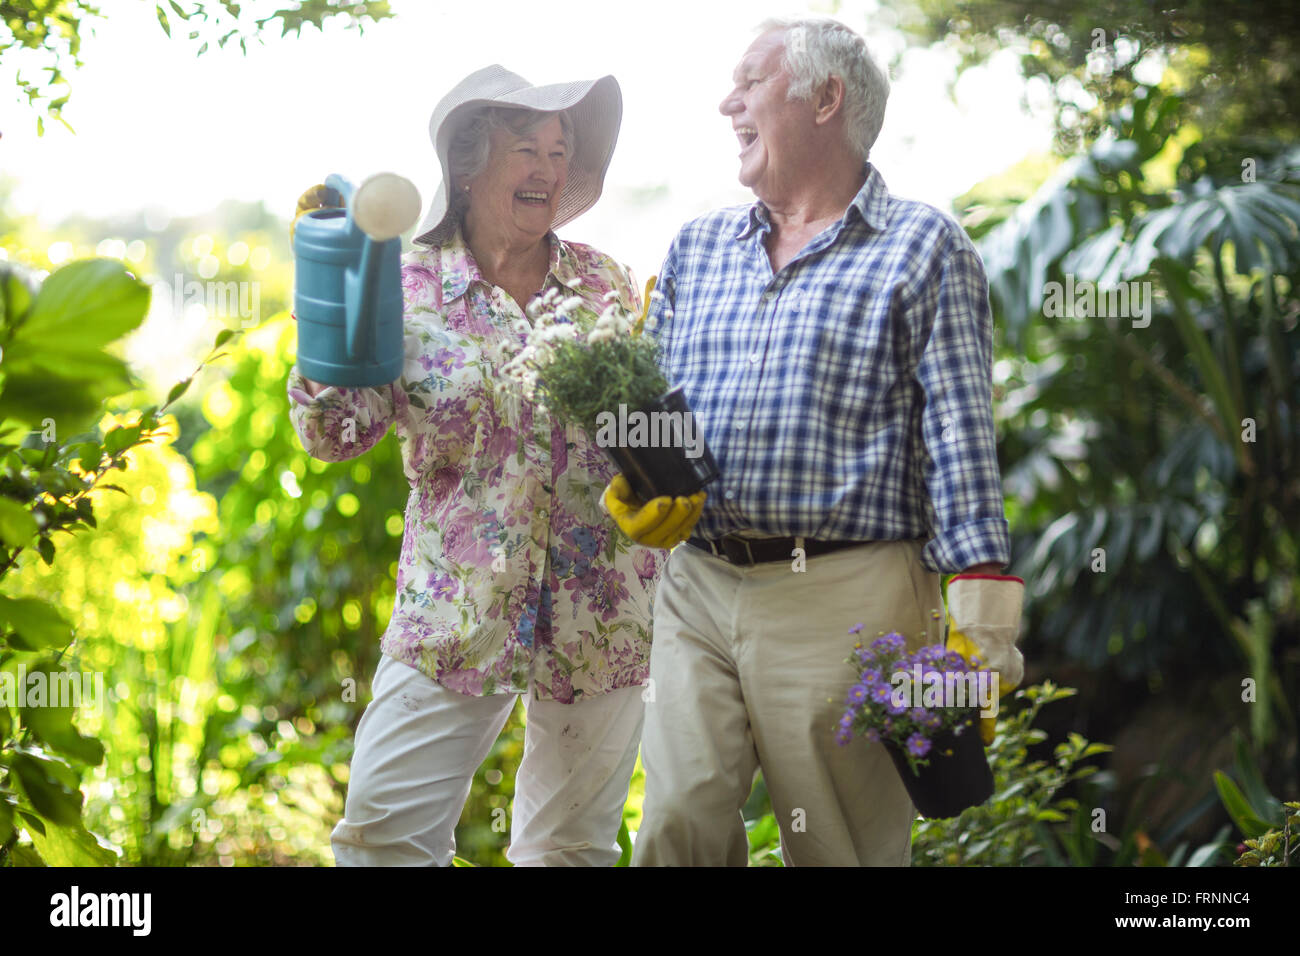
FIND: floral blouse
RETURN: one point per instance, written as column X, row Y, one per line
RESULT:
column 510, row 568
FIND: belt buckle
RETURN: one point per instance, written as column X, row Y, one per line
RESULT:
column 734, row 556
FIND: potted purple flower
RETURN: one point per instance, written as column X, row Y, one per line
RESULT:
column 924, row 707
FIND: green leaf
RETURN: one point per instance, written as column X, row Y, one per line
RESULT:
column 88, row 455
column 1206, row 855
column 46, row 785
column 177, row 390
column 119, row 439
column 224, row 336
column 624, row 840
column 39, row 623
column 32, row 822
column 1237, row 806
column 52, row 725
column 17, row 525
column 24, row 855
column 46, row 548
column 89, row 302
column 73, row 846
column 1266, row 806
column 162, row 19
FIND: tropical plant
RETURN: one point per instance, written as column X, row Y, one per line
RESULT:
column 1150, row 457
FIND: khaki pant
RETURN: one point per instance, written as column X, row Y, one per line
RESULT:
column 749, row 669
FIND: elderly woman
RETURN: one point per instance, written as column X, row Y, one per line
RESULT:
column 512, row 580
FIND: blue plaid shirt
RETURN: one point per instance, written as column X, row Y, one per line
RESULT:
column 848, row 396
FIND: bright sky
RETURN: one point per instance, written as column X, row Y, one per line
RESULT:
column 160, row 128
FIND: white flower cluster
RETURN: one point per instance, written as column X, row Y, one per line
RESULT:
column 557, row 319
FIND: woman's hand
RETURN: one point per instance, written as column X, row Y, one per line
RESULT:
column 317, row 197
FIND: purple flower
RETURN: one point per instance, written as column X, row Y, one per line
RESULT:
column 873, row 735
column 856, row 629
column 843, row 736
column 918, row 745
column 894, row 707
column 879, row 694
column 857, row 693
column 926, row 718
column 643, row 562
column 933, row 654
column 955, row 661
column 890, row 642
column 872, row 677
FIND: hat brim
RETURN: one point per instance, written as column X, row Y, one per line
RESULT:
column 596, row 107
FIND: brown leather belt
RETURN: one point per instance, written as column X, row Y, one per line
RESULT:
column 748, row 551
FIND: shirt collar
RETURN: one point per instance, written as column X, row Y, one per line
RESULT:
column 459, row 268
column 871, row 203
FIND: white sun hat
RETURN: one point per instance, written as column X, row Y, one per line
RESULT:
column 596, row 107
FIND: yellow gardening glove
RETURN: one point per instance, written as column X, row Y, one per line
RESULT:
column 984, row 623
column 661, row 523
column 318, row 197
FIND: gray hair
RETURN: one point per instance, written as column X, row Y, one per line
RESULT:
column 471, row 144
column 818, row 48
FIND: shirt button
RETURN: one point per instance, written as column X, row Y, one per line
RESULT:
column 754, row 358
column 729, row 495
column 769, row 296
column 740, row 424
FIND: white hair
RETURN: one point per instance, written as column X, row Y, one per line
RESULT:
column 817, row 49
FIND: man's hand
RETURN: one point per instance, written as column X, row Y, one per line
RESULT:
column 660, row 523
column 984, row 623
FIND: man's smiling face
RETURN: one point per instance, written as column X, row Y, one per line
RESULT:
column 767, row 123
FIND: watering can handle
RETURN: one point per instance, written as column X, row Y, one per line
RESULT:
column 355, row 283
column 341, row 186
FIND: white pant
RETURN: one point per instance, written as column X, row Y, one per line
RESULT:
column 419, row 745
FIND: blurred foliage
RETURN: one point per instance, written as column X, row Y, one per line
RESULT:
column 1181, row 468
column 43, row 37
column 53, row 329
column 1236, row 63
column 1152, row 467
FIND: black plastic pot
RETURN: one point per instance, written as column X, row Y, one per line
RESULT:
column 957, row 776
column 653, row 471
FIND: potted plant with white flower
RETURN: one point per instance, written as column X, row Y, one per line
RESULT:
column 599, row 372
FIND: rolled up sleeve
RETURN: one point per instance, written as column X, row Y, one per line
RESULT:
column 954, row 338
column 340, row 423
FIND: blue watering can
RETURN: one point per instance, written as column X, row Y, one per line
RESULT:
column 348, row 282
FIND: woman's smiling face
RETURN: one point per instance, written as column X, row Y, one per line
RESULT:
column 518, row 189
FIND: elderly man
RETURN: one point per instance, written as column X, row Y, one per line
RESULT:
column 835, row 344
